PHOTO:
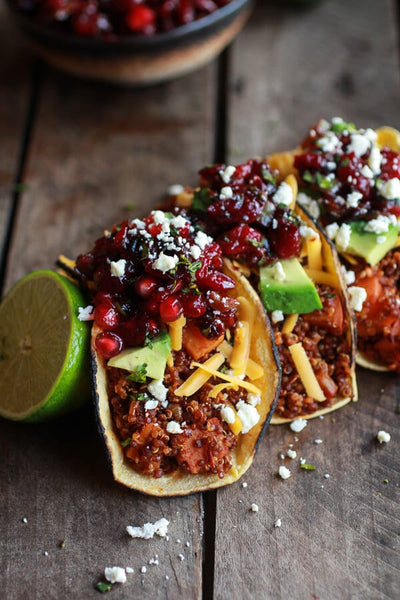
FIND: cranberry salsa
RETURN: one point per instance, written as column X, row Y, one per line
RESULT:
column 251, row 217
column 351, row 181
column 157, row 283
column 110, row 19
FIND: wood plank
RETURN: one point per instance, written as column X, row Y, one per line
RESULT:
column 339, row 536
column 96, row 150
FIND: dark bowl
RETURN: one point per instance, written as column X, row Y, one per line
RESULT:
column 135, row 59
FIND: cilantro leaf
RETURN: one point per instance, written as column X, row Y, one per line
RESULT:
column 102, row 586
column 307, row 467
column 201, row 199
column 139, row 374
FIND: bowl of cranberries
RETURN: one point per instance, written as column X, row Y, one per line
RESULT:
column 135, row 42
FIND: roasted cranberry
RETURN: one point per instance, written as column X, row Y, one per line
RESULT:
column 153, row 328
column 390, row 165
column 285, row 239
column 309, row 160
column 106, row 316
column 108, row 344
column 170, row 309
column 194, row 306
column 214, row 280
column 85, row 264
column 243, row 241
column 349, row 174
column 133, row 331
column 141, row 19
column 146, row 285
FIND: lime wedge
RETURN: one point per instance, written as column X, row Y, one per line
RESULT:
column 44, row 349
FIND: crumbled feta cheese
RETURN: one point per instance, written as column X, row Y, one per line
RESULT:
column 24, row 520
column 202, row 239
column 278, row 523
column 348, row 276
column 303, row 461
column 253, row 399
column 244, row 484
column 284, row 194
column 324, row 125
column 291, row 454
column 381, row 239
column 148, row 530
column 179, row 222
column 115, row 574
column 318, row 441
column 326, row 475
column 366, row 171
column 254, row 507
column 117, row 267
column 343, row 236
column 228, row 414
column 353, row 199
column 86, row 314
column 331, row 230
column 329, row 142
column 307, row 232
column 358, row 295
column 227, row 173
column 129, row 570
column 375, row 160
column 359, row 144
column 195, row 251
column 143, row 569
column 313, row 209
column 248, row 415
column 159, row 217
column 154, row 561
column 284, row 472
column 383, row 437
column 371, row 135
column 276, row 316
column 277, row 271
column 175, row 189
column 181, row 557
column 390, row 189
column 378, row 225
column 165, row 263
column 158, row 390
column 151, row 404
column 298, row 425
column 226, row 192
column 174, row 427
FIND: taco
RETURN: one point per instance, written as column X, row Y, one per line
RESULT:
column 286, row 257
column 350, row 182
column 185, row 371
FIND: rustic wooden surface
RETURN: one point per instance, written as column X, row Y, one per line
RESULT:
column 91, row 155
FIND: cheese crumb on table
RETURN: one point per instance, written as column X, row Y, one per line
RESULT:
column 291, row 454
column 148, row 530
column 284, row 472
column 254, row 507
column 278, row 523
column 298, row 425
column 383, row 437
column 115, row 574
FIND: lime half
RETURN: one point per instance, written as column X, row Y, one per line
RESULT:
column 44, row 349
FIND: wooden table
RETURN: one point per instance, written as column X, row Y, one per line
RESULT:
column 90, row 155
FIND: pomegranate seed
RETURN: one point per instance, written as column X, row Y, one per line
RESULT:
column 106, row 316
column 170, row 309
column 141, row 18
column 145, row 285
column 108, row 344
column 194, row 306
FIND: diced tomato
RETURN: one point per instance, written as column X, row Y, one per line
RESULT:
column 196, row 344
column 330, row 317
column 194, row 450
column 375, row 315
column 372, row 286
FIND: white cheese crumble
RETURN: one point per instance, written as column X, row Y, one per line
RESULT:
column 390, row 189
column 291, row 454
column 277, row 272
column 158, row 390
column 226, row 192
column 254, row 507
column 24, row 520
column 298, row 425
column 308, row 232
column 375, row 160
column 278, row 523
column 283, row 195
column 148, row 530
column 348, row 276
column 174, row 427
column 380, row 224
column 202, row 239
column 328, row 142
column 181, row 557
column 367, row 172
column 318, row 441
column 175, row 189
column 115, row 574
column 326, row 475
column 276, row 316
column 143, row 569
column 165, row 263
column 244, row 484
column 343, row 236
column 253, row 399
column 117, row 267
column 284, row 472
column 358, row 295
column 86, row 314
column 179, row 222
column 381, row 239
column 195, row 251
column 228, row 414
column 227, row 173
column 248, row 415
column 151, row 404
column 129, row 570
column 383, row 437
column 359, row 144
column 353, row 199
column 331, row 230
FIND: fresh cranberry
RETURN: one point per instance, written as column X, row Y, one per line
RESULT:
column 285, row 240
column 309, row 160
column 85, row 264
column 133, row 331
column 170, row 309
column 153, row 328
column 349, row 174
column 141, row 19
column 108, row 344
column 214, row 280
column 145, row 285
column 243, row 241
column 390, row 165
column 106, row 316
column 103, row 298
column 194, row 306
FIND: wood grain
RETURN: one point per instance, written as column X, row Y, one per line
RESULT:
column 99, row 154
column 339, row 536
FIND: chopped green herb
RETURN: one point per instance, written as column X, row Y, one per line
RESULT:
column 148, row 341
column 386, row 481
column 255, row 243
column 307, row 176
column 139, row 374
column 345, row 162
column 329, row 295
column 120, row 309
column 341, row 126
column 201, row 199
column 126, row 442
column 307, row 467
column 324, row 181
column 141, row 397
column 267, row 175
column 102, row 586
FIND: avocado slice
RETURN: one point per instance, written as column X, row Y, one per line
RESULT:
column 154, row 357
column 364, row 243
column 288, row 288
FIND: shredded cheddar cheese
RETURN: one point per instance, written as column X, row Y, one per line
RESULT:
column 197, row 379
column 292, row 182
column 253, row 369
column 237, row 426
column 306, row 373
column 175, row 332
column 289, row 323
column 225, row 377
column 170, row 360
column 241, row 348
column 220, row 387
column 314, row 247
column 322, row 277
